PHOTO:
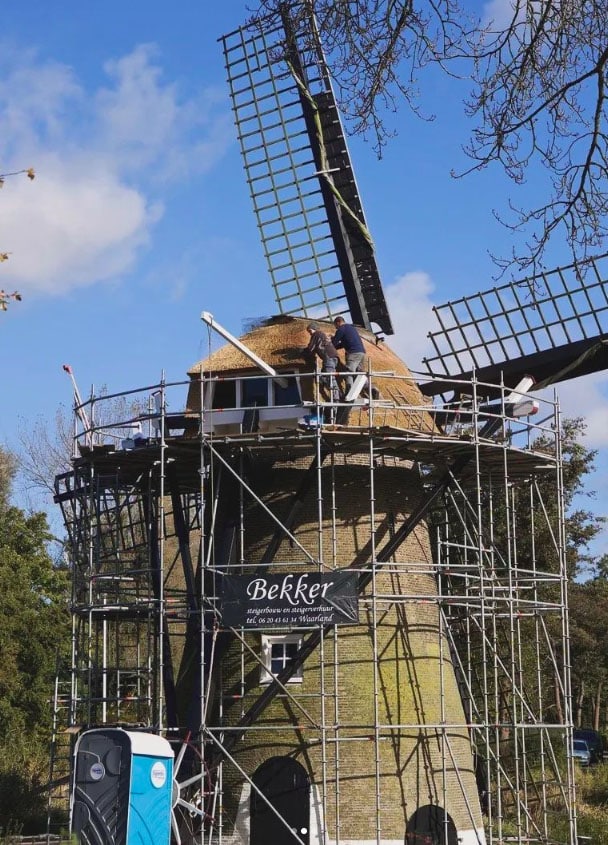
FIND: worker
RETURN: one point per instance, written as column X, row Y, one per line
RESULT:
column 321, row 345
column 348, row 338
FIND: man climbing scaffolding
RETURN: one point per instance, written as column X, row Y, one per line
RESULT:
column 348, row 338
column 321, row 346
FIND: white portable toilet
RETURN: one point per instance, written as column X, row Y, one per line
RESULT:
column 122, row 788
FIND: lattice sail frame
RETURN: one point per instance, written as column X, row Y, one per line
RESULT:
column 552, row 326
column 315, row 238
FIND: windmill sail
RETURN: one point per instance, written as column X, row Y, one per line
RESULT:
column 315, row 238
column 553, row 326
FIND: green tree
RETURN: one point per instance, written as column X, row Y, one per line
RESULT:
column 588, row 590
column 582, row 524
column 34, row 609
column 588, row 605
column 529, row 538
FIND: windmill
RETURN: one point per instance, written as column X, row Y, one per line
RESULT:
column 395, row 710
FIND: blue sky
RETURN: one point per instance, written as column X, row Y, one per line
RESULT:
column 139, row 216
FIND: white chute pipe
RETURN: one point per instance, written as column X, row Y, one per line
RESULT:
column 209, row 319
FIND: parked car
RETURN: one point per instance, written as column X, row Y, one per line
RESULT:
column 581, row 752
column 594, row 740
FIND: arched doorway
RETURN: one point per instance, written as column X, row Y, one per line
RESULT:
column 286, row 785
column 431, row 825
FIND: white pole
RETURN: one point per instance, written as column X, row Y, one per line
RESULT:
column 80, row 411
column 208, row 318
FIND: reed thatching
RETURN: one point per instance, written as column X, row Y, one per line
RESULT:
column 280, row 343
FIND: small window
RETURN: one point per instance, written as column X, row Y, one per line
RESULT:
column 254, row 392
column 277, row 653
column 224, row 394
column 288, row 395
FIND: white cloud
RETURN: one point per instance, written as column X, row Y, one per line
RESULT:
column 138, row 112
column 499, row 14
column 70, row 228
column 410, row 305
column 98, row 155
column 147, row 126
column 36, row 100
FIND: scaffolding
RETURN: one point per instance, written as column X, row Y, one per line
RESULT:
column 446, row 710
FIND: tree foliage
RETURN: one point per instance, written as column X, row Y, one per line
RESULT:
column 582, row 524
column 531, row 526
column 46, row 446
column 34, row 594
column 588, row 596
column 588, row 604
column 537, row 94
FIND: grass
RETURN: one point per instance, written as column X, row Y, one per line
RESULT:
column 592, row 803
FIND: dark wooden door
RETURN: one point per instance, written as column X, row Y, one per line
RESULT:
column 286, row 785
column 431, row 825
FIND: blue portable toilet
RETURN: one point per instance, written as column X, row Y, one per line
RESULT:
column 122, row 788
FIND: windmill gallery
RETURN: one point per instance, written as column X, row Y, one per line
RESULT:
column 298, row 617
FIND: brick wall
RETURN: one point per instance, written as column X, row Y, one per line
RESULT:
column 372, row 696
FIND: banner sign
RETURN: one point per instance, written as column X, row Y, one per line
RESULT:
column 296, row 599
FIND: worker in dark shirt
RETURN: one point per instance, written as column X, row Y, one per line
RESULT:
column 347, row 338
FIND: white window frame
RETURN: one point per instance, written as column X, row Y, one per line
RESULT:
column 240, row 391
column 209, row 394
column 266, row 675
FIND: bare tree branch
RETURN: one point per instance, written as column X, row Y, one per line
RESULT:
column 45, row 451
column 540, row 99
column 376, row 49
column 538, row 96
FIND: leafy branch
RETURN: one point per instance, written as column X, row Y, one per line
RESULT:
column 15, row 296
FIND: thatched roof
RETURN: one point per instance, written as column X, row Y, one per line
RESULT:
column 280, row 341
column 279, row 344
